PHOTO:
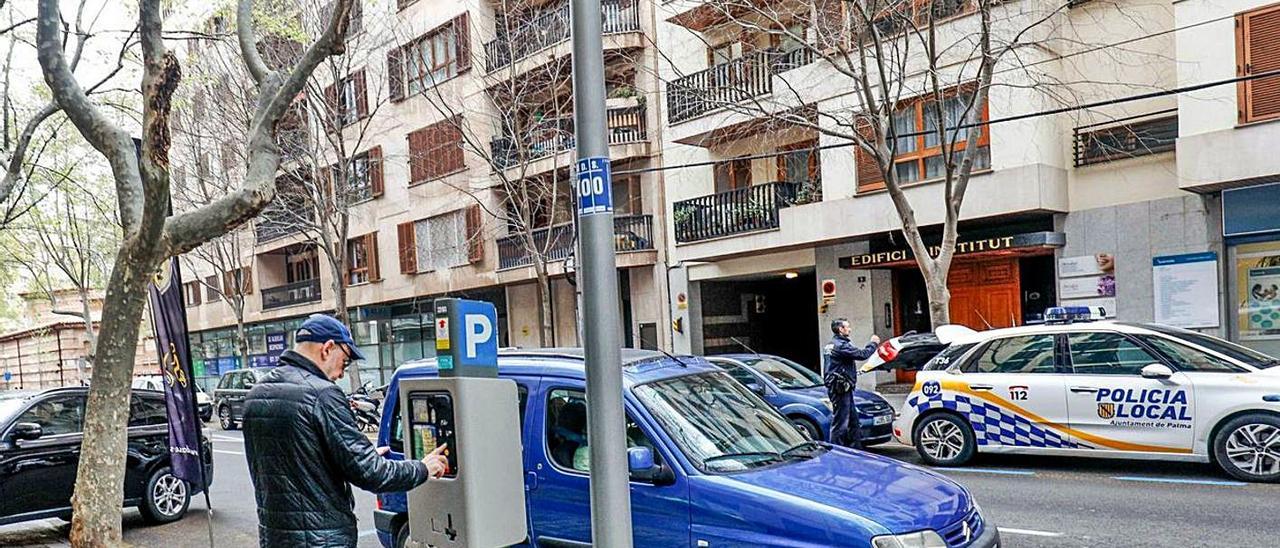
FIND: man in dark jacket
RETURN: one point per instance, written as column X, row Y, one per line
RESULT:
column 841, row 379
column 305, row 450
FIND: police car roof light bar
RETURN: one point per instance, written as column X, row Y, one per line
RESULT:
column 1072, row 314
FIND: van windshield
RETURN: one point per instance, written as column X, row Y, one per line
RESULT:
column 719, row 424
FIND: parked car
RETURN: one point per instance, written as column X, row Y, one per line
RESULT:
column 40, row 436
column 204, row 404
column 712, row 464
column 799, row 394
column 228, row 397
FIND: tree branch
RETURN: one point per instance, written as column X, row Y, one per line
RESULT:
column 248, row 43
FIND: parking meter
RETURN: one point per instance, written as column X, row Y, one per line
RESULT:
column 480, row 500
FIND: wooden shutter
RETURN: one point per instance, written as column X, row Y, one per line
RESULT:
column 1258, row 52
column 418, row 148
column 408, row 248
column 451, row 142
column 371, row 256
column 462, row 36
column 475, row 239
column 362, row 95
column 248, row 279
column 395, row 74
column 332, row 114
column 193, row 293
column 870, row 177
column 375, row 171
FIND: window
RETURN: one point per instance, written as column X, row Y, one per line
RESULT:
column 364, row 175
column 144, row 411
column 1190, row 359
column 441, row 242
column 191, row 293
column 432, row 58
column 58, row 415
column 348, row 100
column 435, row 151
column 732, row 174
column 918, row 157
column 301, row 265
column 947, row 357
column 1031, row 354
column 626, row 196
column 1256, row 35
column 362, row 259
column 567, row 431
column 1127, row 140
column 211, row 289
column 237, row 282
column 1107, row 354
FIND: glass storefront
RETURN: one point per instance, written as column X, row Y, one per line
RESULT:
column 1255, row 295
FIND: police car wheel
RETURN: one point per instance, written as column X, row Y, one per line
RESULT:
column 1248, row 448
column 944, row 440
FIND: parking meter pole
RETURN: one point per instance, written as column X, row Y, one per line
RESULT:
column 602, row 329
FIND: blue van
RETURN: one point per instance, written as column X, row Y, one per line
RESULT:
column 712, row 465
column 799, row 395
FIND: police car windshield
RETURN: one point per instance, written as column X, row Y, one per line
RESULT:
column 785, row 373
column 1247, row 355
column 717, row 423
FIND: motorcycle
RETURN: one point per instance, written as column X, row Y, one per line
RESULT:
column 365, row 408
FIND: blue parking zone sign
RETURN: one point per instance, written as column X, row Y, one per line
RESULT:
column 594, row 186
column 466, row 338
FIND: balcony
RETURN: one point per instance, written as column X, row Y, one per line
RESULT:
column 550, row 27
column 306, row 291
column 1122, row 138
column 631, row 233
column 740, row 210
column 625, row 125
column 729, row 83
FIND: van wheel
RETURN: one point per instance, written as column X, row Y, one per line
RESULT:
column 806, row 427
column 1248, row 448
column 944, row 440
column 402, row 536
column 224, row 418
column 166, row 499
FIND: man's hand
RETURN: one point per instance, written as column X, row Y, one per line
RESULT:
column 875, row 339
column 382, row 451
column 437, row 463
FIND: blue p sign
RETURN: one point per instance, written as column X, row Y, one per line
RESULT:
column 471, row 346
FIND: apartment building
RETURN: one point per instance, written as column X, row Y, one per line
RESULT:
column 779, row 228
column 457, row 120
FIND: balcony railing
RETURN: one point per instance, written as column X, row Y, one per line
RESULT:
column 729, row 83
column 625, row 125
column 307, row 291
column 1130, row 137
column 631, row 233
column 535, row 32
column 739, row 210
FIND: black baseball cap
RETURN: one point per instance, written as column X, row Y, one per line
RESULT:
column 324, row 328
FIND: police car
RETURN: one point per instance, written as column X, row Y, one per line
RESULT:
column 1097, row 388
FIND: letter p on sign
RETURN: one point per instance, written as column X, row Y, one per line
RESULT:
column 479, row 331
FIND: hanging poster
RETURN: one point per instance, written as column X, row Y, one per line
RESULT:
column 1088, row 280
column 1186, row 290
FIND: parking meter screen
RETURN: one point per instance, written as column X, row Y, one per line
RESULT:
column 431, row 425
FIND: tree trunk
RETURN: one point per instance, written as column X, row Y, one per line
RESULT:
column 99, row 490
column 546, row 330
column 89, row 334
column 935, row 284
column 340, row 312
column 242, row 339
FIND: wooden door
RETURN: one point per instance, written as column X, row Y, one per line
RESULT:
column 986, row 294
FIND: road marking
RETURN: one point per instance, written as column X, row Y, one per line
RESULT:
column 1028, row 532
column 988, row 471
column 227, row 452
column 1183, row 481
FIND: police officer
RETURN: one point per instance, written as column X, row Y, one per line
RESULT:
column 841, row 379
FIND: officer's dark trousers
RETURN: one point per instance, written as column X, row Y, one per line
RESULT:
column 844, row 425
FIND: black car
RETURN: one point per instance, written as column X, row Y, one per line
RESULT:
column 228, row 397
column 40, row 436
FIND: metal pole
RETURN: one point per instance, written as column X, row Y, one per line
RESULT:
column 610, row 490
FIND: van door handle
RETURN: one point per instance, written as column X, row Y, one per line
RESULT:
column 1084, row 389
column 981, row 387
column 530, row 481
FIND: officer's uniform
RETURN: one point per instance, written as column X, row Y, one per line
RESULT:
column 842, row 379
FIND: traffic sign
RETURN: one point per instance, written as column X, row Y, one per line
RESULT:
column 594, row 186
column 7, row 375
column 466, row 338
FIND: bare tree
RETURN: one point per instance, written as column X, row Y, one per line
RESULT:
column 880, row 54
column 141, row 176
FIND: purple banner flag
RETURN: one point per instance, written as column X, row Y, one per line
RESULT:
column 169, row 317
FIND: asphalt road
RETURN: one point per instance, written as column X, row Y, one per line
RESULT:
column 1036, row 501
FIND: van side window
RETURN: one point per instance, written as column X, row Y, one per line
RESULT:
column 567, row 431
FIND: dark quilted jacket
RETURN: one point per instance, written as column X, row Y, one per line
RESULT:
column 304, row 451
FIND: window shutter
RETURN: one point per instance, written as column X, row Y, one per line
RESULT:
column 870, row 177
column 475, row 239
column 395, row 74
column 248, row 279
column 362, row 96
column 371, row 255
column 408, row 248
column 332, row 114
column 452, row 133
column 462, row 36
column 1257, row 35
column 375, row 171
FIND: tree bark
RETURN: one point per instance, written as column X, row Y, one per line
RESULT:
column 546, row 329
